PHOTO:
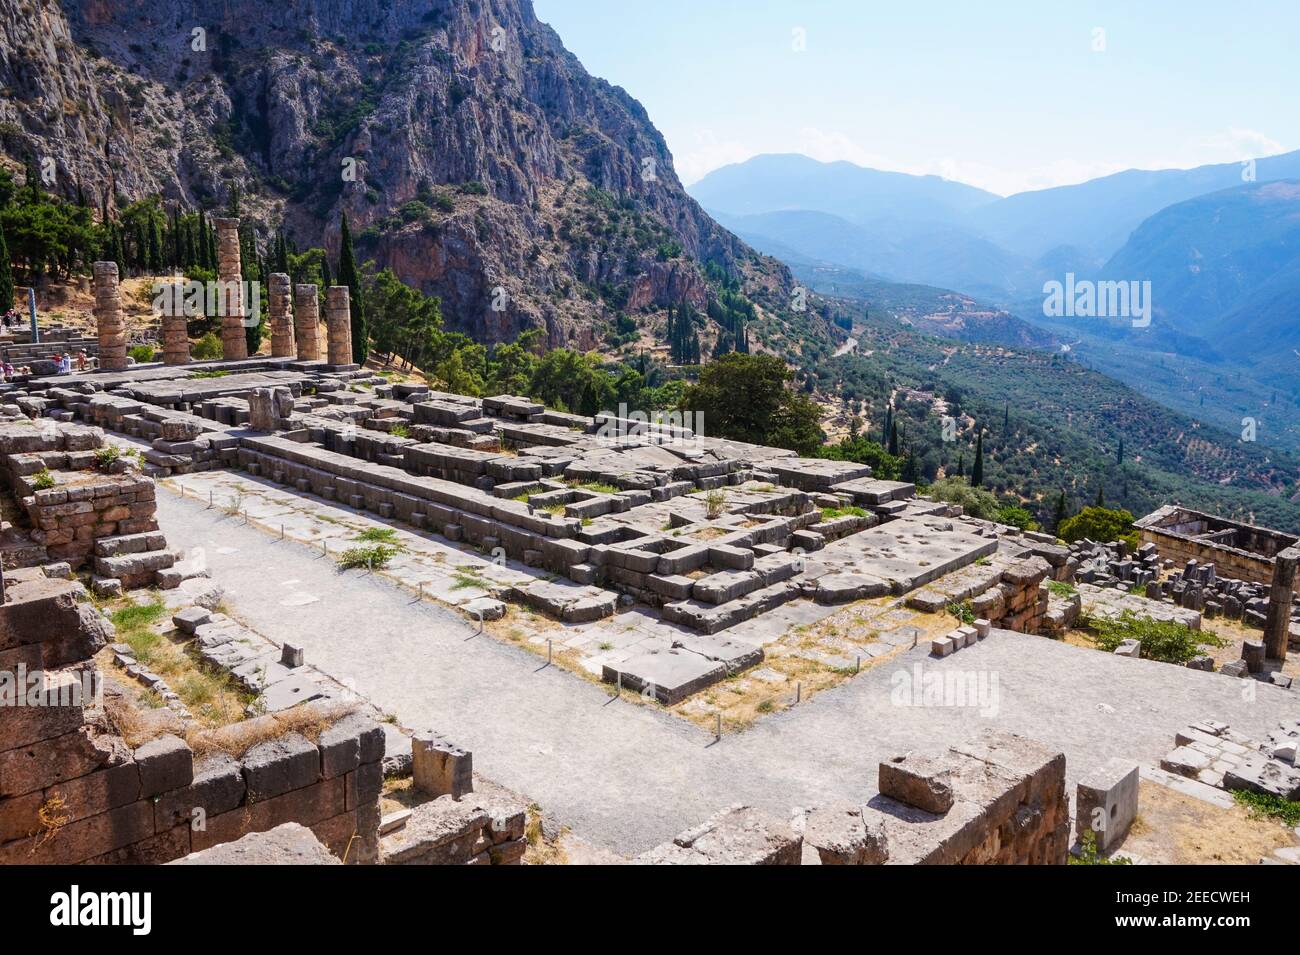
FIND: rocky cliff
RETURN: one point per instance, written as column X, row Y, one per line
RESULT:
column 472, row 153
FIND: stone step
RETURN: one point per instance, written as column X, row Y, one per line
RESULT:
column 710, row 618
column 132, row 566
column 123, row 544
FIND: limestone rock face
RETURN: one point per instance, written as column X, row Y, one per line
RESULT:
column 475, row 155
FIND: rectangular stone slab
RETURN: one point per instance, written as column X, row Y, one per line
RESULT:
column 670, row 676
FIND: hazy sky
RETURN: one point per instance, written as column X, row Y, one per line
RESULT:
column 1005, row 95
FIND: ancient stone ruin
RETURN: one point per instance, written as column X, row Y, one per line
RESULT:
column 673, row 567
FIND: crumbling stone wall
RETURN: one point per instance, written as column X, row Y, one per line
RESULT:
column 1174, row 532
column 998, row 799
column 73, row 789
column 83, row 505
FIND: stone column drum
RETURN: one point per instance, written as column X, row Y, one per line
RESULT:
column 338, row 322
column 281, row 318
column 234, row 344
column 306, row 321
column 110, row 325
column 1277, row 625
column 175, row 335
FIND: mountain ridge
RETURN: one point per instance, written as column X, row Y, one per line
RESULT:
column 470, row 150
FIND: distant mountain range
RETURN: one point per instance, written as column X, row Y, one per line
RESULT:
column 1222, row 254
column 1224, row 267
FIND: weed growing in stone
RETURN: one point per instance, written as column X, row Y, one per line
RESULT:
column 369, row 558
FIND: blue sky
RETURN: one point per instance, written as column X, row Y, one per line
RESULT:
column 1003, row 95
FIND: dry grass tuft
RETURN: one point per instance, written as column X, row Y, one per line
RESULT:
column 236, row 739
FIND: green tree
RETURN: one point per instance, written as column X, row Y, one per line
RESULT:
column 748, row 398
column 977, row 469
column 572, row 381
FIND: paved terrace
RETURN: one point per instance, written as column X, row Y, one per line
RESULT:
column 628, row 776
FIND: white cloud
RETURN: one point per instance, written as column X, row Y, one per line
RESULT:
column 709, row 153
column 1238, row 144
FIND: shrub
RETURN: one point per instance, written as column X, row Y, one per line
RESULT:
column 973, row 501
column 142, row 354
column 43, row 480
column 963, row 611
column 1099, row 524
column 1016, row 516
column 1163, row 640
column 377, row 555
column 713, row 503
column 1088, row 854
column 1287, row 811
column 107, row 456
column 207, row 348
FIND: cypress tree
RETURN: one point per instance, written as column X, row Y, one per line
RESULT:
column 349, row 276
column 6, row 276
column 281, row 254
column 1062, row 512
column 1101, row 495
column 961, row 465
column 1119, row 454
column 977, row 469
column 119, row 250
column 155, row 263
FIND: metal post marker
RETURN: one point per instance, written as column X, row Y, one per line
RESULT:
column 548, row 652
column 717, row 732
column 798, row 691
column 858, row 667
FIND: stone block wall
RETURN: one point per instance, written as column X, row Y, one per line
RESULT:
column 73, row 789
column 1025, row 602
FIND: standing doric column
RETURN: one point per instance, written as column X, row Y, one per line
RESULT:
column 110, row 325
column 1277, row 625
column 230, row 279
column 277, row 291
column 172, row 327
column 306, row 321
column 338, row 322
